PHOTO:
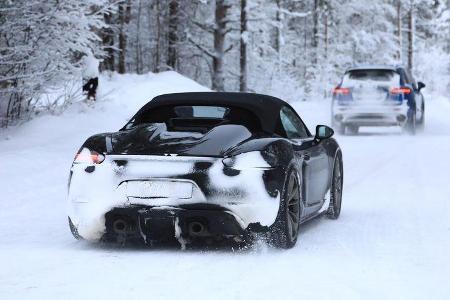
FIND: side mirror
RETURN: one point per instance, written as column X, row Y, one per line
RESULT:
column 420, row 85
column 323, row 132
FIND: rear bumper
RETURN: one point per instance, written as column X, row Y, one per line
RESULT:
column 245, row 199
column 381, row 115
column 149, row 224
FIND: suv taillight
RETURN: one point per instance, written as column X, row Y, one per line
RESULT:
column 341, row 91
column 400, row 90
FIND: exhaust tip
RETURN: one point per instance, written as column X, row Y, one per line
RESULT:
column 196, row 228
column 120, row 226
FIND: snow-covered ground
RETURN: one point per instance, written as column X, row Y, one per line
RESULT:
column 392, row 240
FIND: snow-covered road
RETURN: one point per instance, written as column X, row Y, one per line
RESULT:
column 392, row 240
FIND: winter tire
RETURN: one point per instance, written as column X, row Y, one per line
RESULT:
column 352, row 129
column 284, row 231
column 411, row 123
column 339, row 128
column 334, row 209
column 420, row 125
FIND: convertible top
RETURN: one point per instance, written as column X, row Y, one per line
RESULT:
column 266, row 108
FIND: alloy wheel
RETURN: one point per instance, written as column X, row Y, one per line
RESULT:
column 337, row 189
column 293, row 207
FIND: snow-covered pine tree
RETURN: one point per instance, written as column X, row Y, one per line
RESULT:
column 289, row 48
column 40, row 45
column 431, row 38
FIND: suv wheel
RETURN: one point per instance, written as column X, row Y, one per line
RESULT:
column 411, row 123
column 421, row 123
column 352, row 129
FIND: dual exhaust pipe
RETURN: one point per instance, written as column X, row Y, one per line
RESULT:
column 122, row 227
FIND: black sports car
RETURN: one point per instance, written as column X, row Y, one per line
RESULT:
column 205, row 166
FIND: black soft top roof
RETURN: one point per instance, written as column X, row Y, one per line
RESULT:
column 266, row 108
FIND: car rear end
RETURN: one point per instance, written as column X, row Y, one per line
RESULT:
column 370, row 97
column 162, row 197
column 176, row 170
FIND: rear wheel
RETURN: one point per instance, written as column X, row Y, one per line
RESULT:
column 352, row 129
column 334, row 210
column 411, row 124
column 339, row 128
column 284, row 231
column 421, row 123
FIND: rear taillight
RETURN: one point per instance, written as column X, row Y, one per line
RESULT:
column 341, row 91
column 400, row 90
column 87, row 156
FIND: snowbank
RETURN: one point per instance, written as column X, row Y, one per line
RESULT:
column 119, row 97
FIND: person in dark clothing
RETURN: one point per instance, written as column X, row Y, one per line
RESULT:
column 90, row 87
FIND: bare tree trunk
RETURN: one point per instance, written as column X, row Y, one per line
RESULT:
column 399, row 30
column 158, row 38
column 220, row 31
column 325, row 39
column 243, row 48
column 138, row 40
column 315, row 37
column 173, row 34
column 8, row 109
column 305, row 48
column 124, row 18
column 122, row 39
column 108, row 41
column 411, row 36
column 278, row 28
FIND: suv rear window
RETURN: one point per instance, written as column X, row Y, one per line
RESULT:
column 374, row 75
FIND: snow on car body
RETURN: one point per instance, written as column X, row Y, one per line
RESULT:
column 197, row 165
